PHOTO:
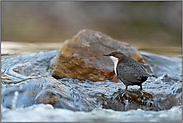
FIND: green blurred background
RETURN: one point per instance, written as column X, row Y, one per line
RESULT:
column 145, row 24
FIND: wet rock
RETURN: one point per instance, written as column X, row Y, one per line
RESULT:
column 82, row 56
column 124, row 100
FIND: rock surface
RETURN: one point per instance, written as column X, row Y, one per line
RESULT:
column 82, row 56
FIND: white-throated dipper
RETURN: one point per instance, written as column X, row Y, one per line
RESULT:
column 128, row 70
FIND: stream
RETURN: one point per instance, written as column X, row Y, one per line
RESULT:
column 30, row 93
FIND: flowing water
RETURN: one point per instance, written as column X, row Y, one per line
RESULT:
column 30, row 93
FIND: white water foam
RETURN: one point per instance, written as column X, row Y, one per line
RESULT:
column 45, row 112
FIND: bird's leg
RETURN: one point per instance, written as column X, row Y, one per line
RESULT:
column 140, row 87
column 126, row 87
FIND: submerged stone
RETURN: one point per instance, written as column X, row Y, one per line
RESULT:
column 45, row 90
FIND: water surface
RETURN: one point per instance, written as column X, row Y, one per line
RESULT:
column 86, row 101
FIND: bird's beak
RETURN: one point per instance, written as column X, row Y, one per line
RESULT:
column 105, row 54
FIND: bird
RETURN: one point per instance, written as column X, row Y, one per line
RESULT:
column 128, row 70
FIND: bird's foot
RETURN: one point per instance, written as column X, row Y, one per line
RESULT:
column 140, row 87
column 126, row 87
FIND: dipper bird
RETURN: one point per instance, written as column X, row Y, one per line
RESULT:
column 128, row 70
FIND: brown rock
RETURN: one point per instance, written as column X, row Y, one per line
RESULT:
column 82, row 56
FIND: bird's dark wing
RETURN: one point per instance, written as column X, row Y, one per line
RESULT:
column 129, row 73
column 129, row 76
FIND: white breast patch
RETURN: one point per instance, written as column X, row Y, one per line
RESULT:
column 115, row 60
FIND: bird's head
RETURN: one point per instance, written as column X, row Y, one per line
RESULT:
column 115, row 56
